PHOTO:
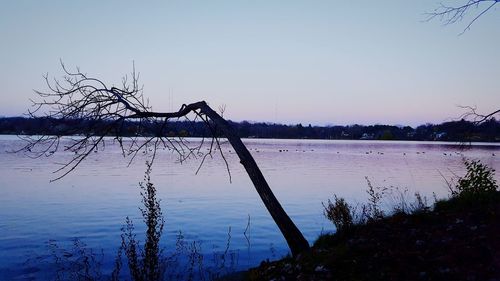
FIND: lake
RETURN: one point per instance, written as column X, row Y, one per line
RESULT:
column 39, row 217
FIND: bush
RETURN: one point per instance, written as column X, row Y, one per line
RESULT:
column 373, row 211
column 478, row 180
column 339, row 212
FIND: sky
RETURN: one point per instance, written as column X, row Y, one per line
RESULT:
column 310, row 62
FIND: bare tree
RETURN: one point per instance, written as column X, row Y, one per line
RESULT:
column 101, row 111
column 450, row 14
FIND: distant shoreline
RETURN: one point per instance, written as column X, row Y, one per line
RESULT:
column 453, row 131
column 430, row 142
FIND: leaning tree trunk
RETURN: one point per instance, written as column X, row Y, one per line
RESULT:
column 292, row 234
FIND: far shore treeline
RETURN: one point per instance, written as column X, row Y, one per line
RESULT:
column 461, row 130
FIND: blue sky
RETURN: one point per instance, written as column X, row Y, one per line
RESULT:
column 319, row 62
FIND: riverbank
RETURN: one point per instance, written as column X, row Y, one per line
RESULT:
column 459, row 239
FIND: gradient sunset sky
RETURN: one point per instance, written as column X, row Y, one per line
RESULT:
column 319, row 62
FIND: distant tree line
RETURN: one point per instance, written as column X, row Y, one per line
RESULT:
column 448, row 131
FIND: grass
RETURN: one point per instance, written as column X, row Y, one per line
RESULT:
column 455, row 239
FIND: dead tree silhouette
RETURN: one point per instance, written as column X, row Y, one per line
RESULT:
column 102, row 111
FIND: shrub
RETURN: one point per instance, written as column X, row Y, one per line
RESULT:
column 372, row 211
column 339, row 212
column 478, row 180
column 144, row 263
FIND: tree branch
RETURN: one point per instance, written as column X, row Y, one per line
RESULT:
column 453, row 14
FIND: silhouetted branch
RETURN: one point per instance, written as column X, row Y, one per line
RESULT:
column 477, row 118
column 102, row 111
column 456, row 13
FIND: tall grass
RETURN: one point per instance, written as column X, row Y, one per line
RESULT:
column 478, row 182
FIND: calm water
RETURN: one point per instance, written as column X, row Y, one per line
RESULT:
column 91, row 203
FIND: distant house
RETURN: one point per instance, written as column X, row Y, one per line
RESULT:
column 439, row 136
column 367, row 136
